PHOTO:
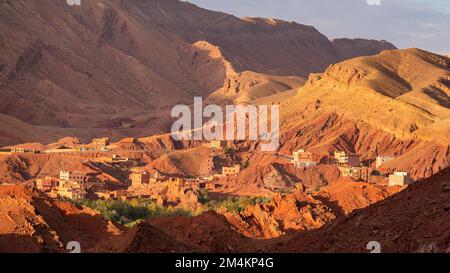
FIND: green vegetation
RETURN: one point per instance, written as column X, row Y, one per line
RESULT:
column 245, row 164
column 228, row 150
column 130, row 213
column 375, row 173
column 203, row 196
column 234, row 204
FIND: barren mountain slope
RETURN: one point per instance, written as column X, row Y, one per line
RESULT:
column 228, row 86
column 414, row 220
column 262, row 45
column 399, row 91
column 31, row 222
column 97, row 66
column 351, row 48
column 395, row 103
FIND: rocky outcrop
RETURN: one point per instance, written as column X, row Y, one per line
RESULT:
column 301, row 211
column 209, row 232
column 414, row 220
column 283, row 214
column 383, row 104
column 30, row 222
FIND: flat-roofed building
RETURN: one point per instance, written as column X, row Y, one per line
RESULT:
column 17, row 150
column 156, row 176
column 105, row 195
column 101, row 142
column 114, row 159
column 383, row 159
column 231, row 170
column 176, row 186
column 62, row 149
column 139, row 179
column 303, row 159
column 357, row 173
column 71, row 190
column 347, row 159
column 127, row 144
column 75, row 176
column 400, row 179
column 212, row 185
column 46, row 183
column 74, row 194
column 217, row 144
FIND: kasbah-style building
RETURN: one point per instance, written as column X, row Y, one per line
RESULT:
column 82, row 185
column 350, row 165
column 71, row 185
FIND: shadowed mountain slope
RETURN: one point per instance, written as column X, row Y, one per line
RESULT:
column 107, row 63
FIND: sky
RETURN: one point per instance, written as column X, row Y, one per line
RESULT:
column 423, row 24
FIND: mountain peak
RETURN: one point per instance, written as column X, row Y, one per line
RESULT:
column 400, row 91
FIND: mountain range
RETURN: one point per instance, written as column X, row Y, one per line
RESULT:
column 97, row 68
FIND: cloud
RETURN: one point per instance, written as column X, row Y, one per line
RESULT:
column 374, row 2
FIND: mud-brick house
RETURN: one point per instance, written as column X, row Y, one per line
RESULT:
column 156, row 176
column 17, row 150
column 75, row 176
column 347, row 159
column 71, row 190
column 301, row 158
column 357, row 173
column 62, row 149
column 176, row 185
column 100, row 142
column 46, row 183
column 139, row 179
column 127, row 144
column 231, row 170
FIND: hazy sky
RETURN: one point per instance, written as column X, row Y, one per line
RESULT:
column 406, row 23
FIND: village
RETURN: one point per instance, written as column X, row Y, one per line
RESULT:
column 150, row 183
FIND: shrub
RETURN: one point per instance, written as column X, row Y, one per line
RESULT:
column 203, row 196
column 317, row 188
column 234, row 204
column 245, row 164
column 228, row 150
column 130, row 213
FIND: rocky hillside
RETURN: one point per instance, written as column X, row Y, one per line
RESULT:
column 394, row 103
column 340, row 218
column 415, row 220
column 30, row 222
column 95, row 67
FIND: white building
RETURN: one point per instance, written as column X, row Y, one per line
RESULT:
column 347, row 159
column 303, row 159
column 383, row 159
column 400, row 179
column 79, row 177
